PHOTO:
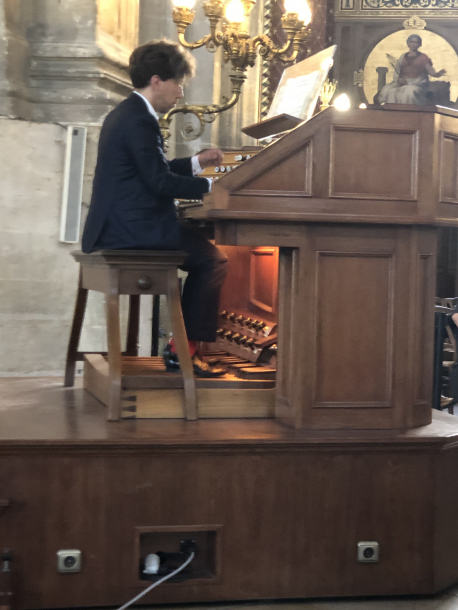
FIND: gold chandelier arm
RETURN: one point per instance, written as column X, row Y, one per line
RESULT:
column 289, row 58
column 183, row 17
column 296, row 32
column 201, row 110
column 298, row 40
column 267, row 47
column 196, row 44
column 204, row 112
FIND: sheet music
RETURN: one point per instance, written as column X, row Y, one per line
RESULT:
column 296, row 94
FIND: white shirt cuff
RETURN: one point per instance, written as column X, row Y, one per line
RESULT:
column 196, row 168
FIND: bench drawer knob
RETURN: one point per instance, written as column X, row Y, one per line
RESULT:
column 144, row 282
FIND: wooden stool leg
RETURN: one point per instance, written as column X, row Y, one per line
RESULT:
column 75, row 333
column 133, row 325
column 114, row 355
column 181, row 342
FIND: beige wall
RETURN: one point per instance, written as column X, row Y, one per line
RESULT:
column 37, row 276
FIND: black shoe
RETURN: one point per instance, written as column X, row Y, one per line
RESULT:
column 170, row 359
column 201, row 368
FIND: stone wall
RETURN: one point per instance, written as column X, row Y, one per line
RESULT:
column 38, row 276
column 14, row 58
column 60, row 62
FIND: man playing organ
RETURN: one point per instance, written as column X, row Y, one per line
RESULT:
column 132, row 204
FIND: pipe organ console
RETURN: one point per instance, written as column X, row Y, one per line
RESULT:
column 249, row 307
column 231, row 160
column 248, row 323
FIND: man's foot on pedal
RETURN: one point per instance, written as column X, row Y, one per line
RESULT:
column 201, row 368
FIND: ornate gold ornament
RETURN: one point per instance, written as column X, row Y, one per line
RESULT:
column 327, row 93
column 239, row 49
column 358, row 78
column 414, row 23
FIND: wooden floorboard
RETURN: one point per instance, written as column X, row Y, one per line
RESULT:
column 41, row 410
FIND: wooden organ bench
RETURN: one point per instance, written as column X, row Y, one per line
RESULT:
column 131, row 272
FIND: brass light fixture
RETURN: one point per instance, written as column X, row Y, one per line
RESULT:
column 327, row 92
column 239, row 49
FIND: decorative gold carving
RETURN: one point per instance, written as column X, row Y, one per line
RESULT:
column 414, row 23
column 409, row 4
column 327, row 93
column 248, row 6
column 358, row 78
column 204, row 113
column 182, row 17
column 239, row 49
column 401, row 9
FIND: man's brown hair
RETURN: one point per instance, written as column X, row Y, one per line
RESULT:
column 163, row 58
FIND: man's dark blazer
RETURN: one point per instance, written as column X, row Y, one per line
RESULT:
column 132, row 205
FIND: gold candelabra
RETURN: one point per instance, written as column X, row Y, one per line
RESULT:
column 327, row 92
column 239, row 49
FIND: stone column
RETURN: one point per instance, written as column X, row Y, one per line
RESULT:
column 14, row 51
column 65, row 61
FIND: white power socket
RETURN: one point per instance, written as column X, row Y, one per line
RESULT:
column 368, row 552
column 69, row 561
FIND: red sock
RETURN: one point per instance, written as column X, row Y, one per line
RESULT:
column 192, row 347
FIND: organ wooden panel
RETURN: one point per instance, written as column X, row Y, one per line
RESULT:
column 387, row 168
column 285, row 177
column 368, row 165
column 354, row 361
column 357, row 260
column 263, row 278
column 449, row 169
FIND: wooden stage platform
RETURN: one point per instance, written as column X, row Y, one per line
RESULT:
column 276, row 512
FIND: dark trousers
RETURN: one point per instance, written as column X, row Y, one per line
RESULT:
column 206, row 266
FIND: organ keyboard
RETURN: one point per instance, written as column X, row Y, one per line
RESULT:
column 231, row 160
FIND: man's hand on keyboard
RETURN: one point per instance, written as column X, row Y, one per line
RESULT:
column 211, row 156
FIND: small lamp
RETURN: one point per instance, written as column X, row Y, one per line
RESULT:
column 301, row 8
column 342, row 102
column 235, row 12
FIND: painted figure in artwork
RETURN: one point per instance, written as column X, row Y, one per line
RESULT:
column 411, row 76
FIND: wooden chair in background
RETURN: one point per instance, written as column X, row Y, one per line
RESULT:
column 445, row 355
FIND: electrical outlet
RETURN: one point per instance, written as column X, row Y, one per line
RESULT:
column 368, row 552
column 69, row 561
